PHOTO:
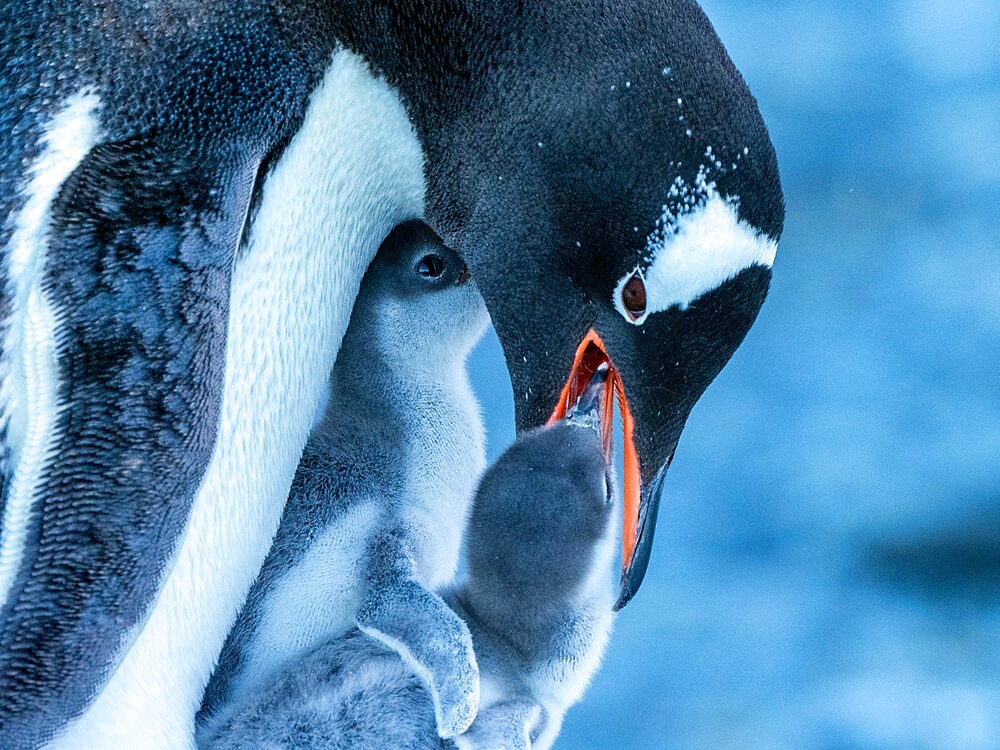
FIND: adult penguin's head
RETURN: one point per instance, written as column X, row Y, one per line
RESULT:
column 605, row 172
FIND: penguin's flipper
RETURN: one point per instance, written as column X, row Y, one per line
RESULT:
column 140, row 246
column 504, row 726
column 418, row 625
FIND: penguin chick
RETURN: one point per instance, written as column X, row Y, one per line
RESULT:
column 374, row 519
column 537, row 601
column 538, row 597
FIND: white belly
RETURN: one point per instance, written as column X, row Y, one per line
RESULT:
column 314, row 601
column 348, row 176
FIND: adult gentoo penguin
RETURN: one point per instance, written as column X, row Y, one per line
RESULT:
column 373, row 523
column 191, row 191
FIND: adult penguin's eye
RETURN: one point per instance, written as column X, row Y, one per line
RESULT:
column 431, row 266
column 634, row 297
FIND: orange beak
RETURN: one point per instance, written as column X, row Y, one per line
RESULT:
column 590, row 355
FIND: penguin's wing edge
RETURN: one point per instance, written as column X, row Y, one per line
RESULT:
column 141, row 245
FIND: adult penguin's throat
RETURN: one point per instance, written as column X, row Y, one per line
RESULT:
column 637, row 536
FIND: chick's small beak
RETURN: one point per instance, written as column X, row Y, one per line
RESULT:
column 589, row 410
column 639, row 516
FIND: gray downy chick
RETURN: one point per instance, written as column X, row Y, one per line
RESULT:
column 538, row 595
column 375, row 516
column 537, row 600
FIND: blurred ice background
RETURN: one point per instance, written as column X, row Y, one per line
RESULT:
column 827, row 566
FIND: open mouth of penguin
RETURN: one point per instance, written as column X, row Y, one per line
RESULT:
column 590, row 356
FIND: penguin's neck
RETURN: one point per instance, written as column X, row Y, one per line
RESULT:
column 428, row 402
column 352, row 171
column 390, row 366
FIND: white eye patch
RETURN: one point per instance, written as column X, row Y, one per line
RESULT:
column 695, row 251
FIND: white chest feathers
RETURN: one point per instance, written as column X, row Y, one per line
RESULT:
column 447, row 457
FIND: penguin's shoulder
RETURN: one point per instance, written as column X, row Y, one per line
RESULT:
column 200, row 80
column 217, row 69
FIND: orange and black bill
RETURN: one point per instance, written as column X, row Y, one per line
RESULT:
column 641, row 504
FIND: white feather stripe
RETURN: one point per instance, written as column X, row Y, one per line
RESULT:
column 30, row 383
column 698, row 252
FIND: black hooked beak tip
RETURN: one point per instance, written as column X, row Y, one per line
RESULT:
column 649, row 504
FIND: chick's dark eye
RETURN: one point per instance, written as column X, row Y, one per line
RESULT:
column 431, row 266
column 634, row 297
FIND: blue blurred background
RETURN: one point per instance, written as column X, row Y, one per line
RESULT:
column 827, row 566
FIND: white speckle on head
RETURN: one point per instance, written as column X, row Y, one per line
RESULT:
column 29, row 381
column 628, row 84
column 680, row 101
column 697, row 246
column 541, row 145
column 714, row 160
column 688, row 132
column 666, row 71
